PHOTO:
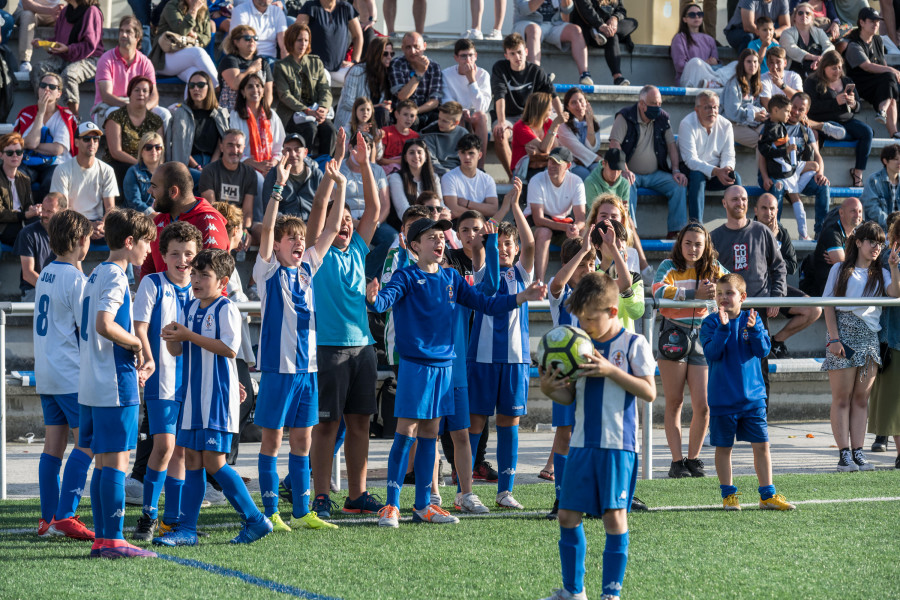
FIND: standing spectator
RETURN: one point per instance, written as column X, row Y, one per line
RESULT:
column 198, row 125
column 547, row 21
column 414, row 77
column 740, row 100
column 267, row 19
column 706, row 142
column 778, row 81
column 416, row 175
column 881, row 196
column 607, row 178
column 304, row 177
column 580, row 134
column 852, row 351
column 534, row 136
column 604, row 23
column 477, row 8
column 334, row 29
column 136, row 187
column 695, row 54
column 262, row 129
column 125, row 126
column 741, row 29
column 418, row 12
column 644, row 134
column 228, row 179
column 34, row 12
column 610, row 207
column 443, row 136
column 804, row 42
column 16, row 203
column 470, row 85
column 181, row 36
column 467, row 187
column 839, row 224
column 33, row 245
column 242, row 59
column 303, row 93
column 77, row 44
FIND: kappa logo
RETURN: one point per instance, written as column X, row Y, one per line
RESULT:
column 613, row 585
column 168, row 294
column 148, row 509
column 118, row 514
column 209, row 217
column 306, row 493
column 212, row 227
column 623, row 495
column 78, row 492
column 211, row 441
column 269, row 494
column 420, row 281
column 509, row 471
column 393, row 484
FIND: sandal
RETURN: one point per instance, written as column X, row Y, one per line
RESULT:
column 545, row 474
column 856, row 177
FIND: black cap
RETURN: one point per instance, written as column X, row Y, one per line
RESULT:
column 614, row 159
column 422, row 225
column 869, row 13
column 295, row 136
column 562, row 154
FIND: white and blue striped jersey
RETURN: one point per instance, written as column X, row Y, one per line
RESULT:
column 558, row 311
column 287, row 338
column 108, row 374
column 209, row 381
column 504, row 338
column 158, row 302
column 58, row 295
column 605, row 414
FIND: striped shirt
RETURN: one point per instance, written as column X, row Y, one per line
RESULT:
column 671, row 284
column 504, row 338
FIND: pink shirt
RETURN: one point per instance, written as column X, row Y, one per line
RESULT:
column 112, row 67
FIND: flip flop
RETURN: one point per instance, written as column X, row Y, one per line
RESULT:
column 545, row 474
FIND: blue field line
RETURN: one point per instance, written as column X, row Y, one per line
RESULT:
column 274, row 586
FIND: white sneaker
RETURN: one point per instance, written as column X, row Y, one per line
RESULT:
column 495, row 34
column 436, row 499
column 506, row 499
column 134, row 491
column 473, row 34
column 563, row 594
column 833, row 130
column 214, row 496
column 24, row 67
column 470, row 503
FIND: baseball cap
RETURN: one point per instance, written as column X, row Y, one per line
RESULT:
column 422, row 225
column 88, row 127
column 295, row 136
column 869, row 13
column 561, row 154
column 614, row 159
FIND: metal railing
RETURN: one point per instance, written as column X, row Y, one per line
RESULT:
column 652, row 305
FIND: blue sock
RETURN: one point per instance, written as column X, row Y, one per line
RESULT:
column 174, row 488
column 572, row 550
column 48, row 484
column 559, row 469
column 112, row 488
column 97, row 504
column 73, row 480
column 728, row 490
column 507, row 457
column 192, row 499
column 397, row 462
column 298, row 474
column 268, row 483
column 153, row 485
column 474, row 440
column 423, row 467
column 341, row 434
column 615, row 559
column 234, row 489
column 766, row 491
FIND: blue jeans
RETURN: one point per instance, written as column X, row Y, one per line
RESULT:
column 862, row 133
column 662, row 183
column 738, row 38
column 821, row 192
column 696, row 191
column 202, row 160
column 7, row 27
column 583, row 172
column 381, row 242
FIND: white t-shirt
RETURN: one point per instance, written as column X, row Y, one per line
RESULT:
column 856, row 286
column 354, row 199
column 17, row 204
column 791, row 80
column 557, row 201
column 56, row 348
column 477, row 189
column 267, row 25
column 85, row 188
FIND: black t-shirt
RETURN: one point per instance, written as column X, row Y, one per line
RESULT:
column 228, row 186
column 206, row 134
column 34, row 241
column 457, row 259
column 832, row 237
column 515, row 86
column 330, row 31
column 233, row 61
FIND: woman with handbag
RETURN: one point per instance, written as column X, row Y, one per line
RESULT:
column 182, row 35
column 689, row 274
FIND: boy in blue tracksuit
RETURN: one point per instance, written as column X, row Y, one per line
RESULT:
column 735, row 342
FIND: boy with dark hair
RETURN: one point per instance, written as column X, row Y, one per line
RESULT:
column 470, row 85
column 442, row 137
column 467, row 187
column 765, row 29
column 108, row 380
column 396, row 135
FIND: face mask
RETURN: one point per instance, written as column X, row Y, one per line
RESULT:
column 651, row 112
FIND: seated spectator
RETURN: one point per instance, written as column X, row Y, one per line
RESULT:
column 88, row 183
column 580, row 133
column 469, row 85
column 778, row 81
column 368, row 79
column 881, row 195
column 363, row 120
column 50, row 142
column 229, row 179
column 740, row 100
column 33, row 245
column 125, row 126
column 805, row 43
column 262, row 129
column 77, row 44
column 16, row 203
column 416, row 175
column 513, row 81
column 334, row 30
column 876, row 82
column 242, row 59
column 198, row 125
column 741, row 29
column 833, row 98
column 765, row 42
column 136, row 187
column 414, row 77
column 556, row 207
column 547, row 21
column 644, row 134
column 467, row 187
column 825, row 17
column 303, row 93
column 442, row 137
column 300, row 188
column 534, row 136
column 267, row 19
column 695, row 54
column 607, row 178
column 839, row 224
column 115, row 70
column 181, row 36
column 42, row 13
column 395, row 136
column 706, row 143
column 604, row 23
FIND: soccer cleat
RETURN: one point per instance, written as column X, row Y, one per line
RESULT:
column 776, row 502
column 678, row 470
column 563, row 594
column 695, row 467
column 278, row 524
column 322, row 505
column 214, row 496
column 389, row 516
column 134, row 492
column 638, row 504
column 113, row 549
column 311, row 521
column 860, row 459
column 164, row 528
column 880, row 444
column 846, row 463
column 470, row 503
column 433, row 514
column 145, row 528
column 506, row 500
column 251, row 532
column 176, row 537
column 367, row 504
column 731, row 502
column 284, row 492
column 71, row 528
column 95, row 548
column 553, row 515
column 45, row 529
column 485, row 471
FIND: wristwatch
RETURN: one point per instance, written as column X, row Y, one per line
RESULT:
column 414, row 75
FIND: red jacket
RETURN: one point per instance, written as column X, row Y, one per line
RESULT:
column 27, row 115
column 202, row 216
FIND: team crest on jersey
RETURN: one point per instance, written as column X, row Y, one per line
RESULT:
column 450, row 292
column 510, row 275
column 746, row 335
column 208, row 323
column 618, row 358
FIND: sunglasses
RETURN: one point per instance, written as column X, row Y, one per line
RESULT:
column 387, row 53
column 695, row 15
column 196, row 85
column 148, row 147
column 250, row 38
column 87, row 139
column 48, row 86
column 803, row 12
column 434, row 209
column 18, row 152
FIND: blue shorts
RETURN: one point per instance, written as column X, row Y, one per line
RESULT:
column 204, row 440
column 423, row 392
column 85, row 426
column 597, row 480
column 164, row 416
column 563, row 415
column 498, row 386
column 748, row 426
column 460, row 417
column 60, row 409
column 112, row 428
column 287, row 400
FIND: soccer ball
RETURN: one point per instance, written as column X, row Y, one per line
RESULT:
column 564, row 347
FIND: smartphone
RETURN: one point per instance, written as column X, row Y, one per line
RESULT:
column 848, row 351
column 850, row 89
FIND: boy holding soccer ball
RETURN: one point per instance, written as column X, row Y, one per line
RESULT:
column 601, row 469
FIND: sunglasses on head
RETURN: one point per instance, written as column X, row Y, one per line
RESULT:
column 250, row 38
column 694, row 14
column 196, row 85
column 388, row 53
column 148, row 147
column 48, row 86
column 18, row 152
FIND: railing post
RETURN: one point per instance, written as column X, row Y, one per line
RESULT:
column 649, row 319
column 3, row 406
